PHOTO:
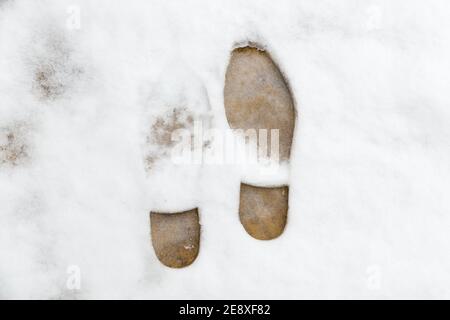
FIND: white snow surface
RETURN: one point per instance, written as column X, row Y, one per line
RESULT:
column 369, row 178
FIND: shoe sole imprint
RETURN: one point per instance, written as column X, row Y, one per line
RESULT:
column 176, row 237
column 257, row 96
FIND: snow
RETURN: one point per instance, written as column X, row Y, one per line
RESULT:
column 369, row 180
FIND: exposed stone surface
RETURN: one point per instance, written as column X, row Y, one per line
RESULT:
column 54, row 63
column 13, row 149
column 257, row 97
column 159, row 139
column 176, row 237
column 263, row 211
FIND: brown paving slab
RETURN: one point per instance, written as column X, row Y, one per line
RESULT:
column 256, row 96
column 263, row 211
column 176, row 237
